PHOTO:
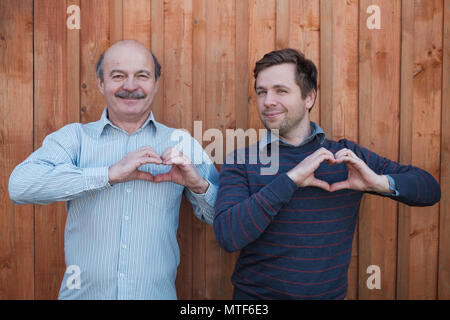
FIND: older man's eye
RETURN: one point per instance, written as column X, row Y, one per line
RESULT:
column 117, row 76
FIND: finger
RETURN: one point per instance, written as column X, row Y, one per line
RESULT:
column 340, row 185
column 162, row 177
column 177, row 160
column 349, row 160
column 324, row 157
column 331, row 159
column 146, row 149
column 149, row 153
column 170, row 153
column 341, row 152
column 346, row 152
column 320, row 152
column 320, row 184
column 142, row 175
column 148, row 160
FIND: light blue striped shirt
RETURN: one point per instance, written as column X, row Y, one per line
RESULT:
column 120, row 241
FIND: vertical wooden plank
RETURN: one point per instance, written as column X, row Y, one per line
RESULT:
column 73, row 70
column 339, row 69
column 54, row 71
column 177, row 113
column 444, row 224
column 220, row 114
column 16, row 143
column 242, row 76
column 283, row 23
column 262, row 39
column 95, row 39
column 379, row 92
column 178, row 59
column 115, row 20
column 157, row 46
column 304, row 31
column 137, row 20
column 199, row 114
column 420, row 125
column 339, row 86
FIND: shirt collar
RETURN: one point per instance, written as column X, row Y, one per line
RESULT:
column 104, row 121
column 267, row 138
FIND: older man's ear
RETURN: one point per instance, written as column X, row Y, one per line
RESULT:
column 100, row 85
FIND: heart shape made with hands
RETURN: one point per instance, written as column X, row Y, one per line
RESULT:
column 360, row 176
column 182, row 171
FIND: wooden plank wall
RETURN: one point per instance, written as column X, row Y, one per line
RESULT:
column 386, row 88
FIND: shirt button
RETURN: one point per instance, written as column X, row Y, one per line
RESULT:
column 126, row 217
column 92, row 186
column 128, row 190
column 124, row 246
column 121, row 275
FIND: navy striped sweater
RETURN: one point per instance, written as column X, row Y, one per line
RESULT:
column 296, row 243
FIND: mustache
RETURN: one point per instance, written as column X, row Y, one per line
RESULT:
column 124, row 94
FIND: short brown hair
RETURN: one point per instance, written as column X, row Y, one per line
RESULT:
column 306, row 75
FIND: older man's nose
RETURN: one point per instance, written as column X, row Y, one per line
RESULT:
column 130, row 84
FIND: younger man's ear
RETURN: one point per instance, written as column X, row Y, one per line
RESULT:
column 310, row 99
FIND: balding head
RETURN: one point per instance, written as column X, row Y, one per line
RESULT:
column 126, row 45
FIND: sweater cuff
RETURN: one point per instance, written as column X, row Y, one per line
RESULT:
column 404, row 189
column 283, row 188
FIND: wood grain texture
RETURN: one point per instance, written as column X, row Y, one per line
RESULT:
column 420, row 123
column 262, row 39
column 51, row 112
column 304, row 35
column 16, row 142
column 379, row 96
column 95, row 39
column 339, row 87
column 137, row 16
column 387, row 89
column 221, row 114
column 444, row 223
column 199, row 114
column 177, row 112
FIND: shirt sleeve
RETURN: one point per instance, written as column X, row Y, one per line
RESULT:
column 50, row 173
column 413, row 186
column 203, row 204
column 242, row 217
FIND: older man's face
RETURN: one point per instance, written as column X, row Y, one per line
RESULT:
column 129, row 84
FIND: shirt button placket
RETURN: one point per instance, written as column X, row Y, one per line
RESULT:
column 127, row 191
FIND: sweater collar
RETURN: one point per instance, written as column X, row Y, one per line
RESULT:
column 269, row 137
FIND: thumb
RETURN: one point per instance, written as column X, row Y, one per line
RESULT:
column 340, row 185
column 320, row 184
column 143, row 175
column 162, row 177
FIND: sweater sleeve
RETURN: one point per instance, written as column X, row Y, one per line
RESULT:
column 241, row 217
column 415, row 186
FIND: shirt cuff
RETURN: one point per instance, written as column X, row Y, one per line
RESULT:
column 96, row 178
column 392, row 187
column 209, row 195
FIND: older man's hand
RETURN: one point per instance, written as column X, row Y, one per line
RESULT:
column 182, row 172
column 127, row 168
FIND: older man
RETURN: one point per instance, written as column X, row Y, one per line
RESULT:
column 122, row 178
